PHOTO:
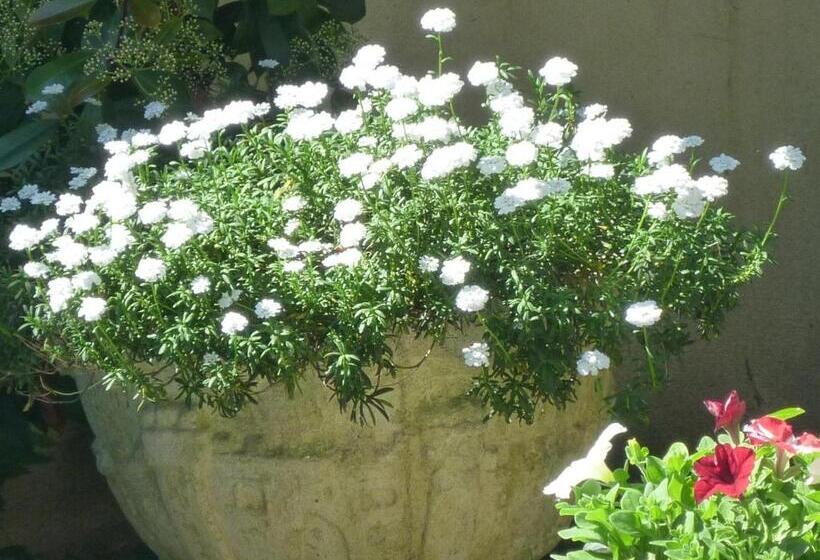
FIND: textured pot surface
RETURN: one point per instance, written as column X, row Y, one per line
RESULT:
column 293, row 479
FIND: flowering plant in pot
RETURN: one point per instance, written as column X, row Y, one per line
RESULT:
column 750, row 494
column 312, row 242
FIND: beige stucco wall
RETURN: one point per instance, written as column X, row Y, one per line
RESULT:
column 744, row 74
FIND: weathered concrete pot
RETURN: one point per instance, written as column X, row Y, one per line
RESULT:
column 297, row 480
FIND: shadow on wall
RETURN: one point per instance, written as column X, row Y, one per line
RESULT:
column 60, row 508
column 741, row 74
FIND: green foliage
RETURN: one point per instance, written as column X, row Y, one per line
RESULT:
column 113, row 58
column 656, row 517
column 559, row 271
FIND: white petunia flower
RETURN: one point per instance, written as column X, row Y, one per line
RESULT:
column 558, row 71
column 91, row 308
column 267, row 308
column 476, row 354
column 787, row 157
column 472, row 298
column 233, row 323
column 9, row 204
column 723, row 163
column 150, row 269
column 482, row 73
column 439, row 20
column 352, row 234
column 520, row 154
column 591, row 467
column 454, row 270
column 591, row 362
column 200, row 285
column 643, row 313
column 429, row 264
column 154, row 110
column 347, row 210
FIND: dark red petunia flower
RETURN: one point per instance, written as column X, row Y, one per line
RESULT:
column 726, row 472
column 729, row 412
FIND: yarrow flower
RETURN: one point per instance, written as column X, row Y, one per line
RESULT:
column 787, row 157
column 443, row 161
column 91, row 308
column 558, row 71
column 439, row 20
column 268, row 63
column 429, row 264
column 591, row 362
column 233, row 323
column 472, row 298
column 643, row 313
column 9, row 204
column 476, row 355
column 453, row 271
column 308, row 95
column 36, row 107
column 482, row 73
column 154, row 110
column 435, row 91
column 723, row 163
column 150, row 269
column 200, row 285
column 53, row 89
column 267, row 308
column 347, row 210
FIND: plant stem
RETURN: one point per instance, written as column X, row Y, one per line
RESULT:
column 650, row 360
column 680, row 257
column 784, row 196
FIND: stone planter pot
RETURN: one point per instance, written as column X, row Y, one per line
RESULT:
column 293, row 479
